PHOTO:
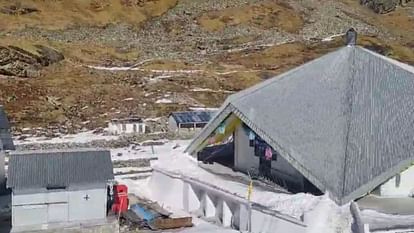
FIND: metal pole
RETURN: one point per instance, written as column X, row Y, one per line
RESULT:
column 249, row 195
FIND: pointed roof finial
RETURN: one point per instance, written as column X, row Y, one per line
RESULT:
column 351, row 37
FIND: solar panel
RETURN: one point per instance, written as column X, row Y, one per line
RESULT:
column 193, row 117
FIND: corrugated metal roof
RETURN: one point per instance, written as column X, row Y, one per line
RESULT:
column 40, row 169
column 345, row 120
column 193, row 116
column 5, row 135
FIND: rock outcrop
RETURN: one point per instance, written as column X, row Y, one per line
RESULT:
column 18, row 9
column 15, row 61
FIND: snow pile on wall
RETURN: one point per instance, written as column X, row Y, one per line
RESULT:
column 328, row 217
column 320, row 213
column 182, row 164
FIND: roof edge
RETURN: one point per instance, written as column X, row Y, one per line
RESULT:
column 50, row 151
column 395, row 62
column 375, row 182
column 209, row 128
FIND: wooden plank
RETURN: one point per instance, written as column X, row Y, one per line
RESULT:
column 172, row 223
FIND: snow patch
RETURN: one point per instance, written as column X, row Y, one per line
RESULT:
column 329, row 217
column 83, row 137
column 197, row 89
column 203, row 109
column 164, row 101
column 331, row 38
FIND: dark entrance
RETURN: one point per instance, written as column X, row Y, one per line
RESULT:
column 265, row 167
column 222, row 154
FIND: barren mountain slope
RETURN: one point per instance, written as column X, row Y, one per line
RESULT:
column 182, row 53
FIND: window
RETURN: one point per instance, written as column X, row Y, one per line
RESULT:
column 123, row 127
column 55, row 187
column 397, row 180
column 135, row 128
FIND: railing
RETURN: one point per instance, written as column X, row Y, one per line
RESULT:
column 219, row 205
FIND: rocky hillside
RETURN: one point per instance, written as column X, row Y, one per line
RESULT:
column 78, row 63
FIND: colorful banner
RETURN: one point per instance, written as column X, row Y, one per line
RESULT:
column 223, row 131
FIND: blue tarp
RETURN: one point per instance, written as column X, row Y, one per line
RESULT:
column 143, row 213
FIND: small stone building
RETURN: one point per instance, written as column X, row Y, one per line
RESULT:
column 127, row 126
column 189, row 122
column 58, row 188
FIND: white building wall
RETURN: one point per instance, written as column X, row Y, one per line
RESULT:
column 81, row 209
column 127, row 128
column 172, row 124
column 28, row 215
column 38, row 207
column 244, row 158
column 263, row 223
column 404, row 189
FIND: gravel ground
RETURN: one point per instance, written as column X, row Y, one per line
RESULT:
column 155, row 40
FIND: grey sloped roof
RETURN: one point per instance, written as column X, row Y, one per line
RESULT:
column 40, row 169
column 5, row 135
column 192, row 116
column 344, row 120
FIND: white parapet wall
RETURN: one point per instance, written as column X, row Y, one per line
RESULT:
column 210, row 202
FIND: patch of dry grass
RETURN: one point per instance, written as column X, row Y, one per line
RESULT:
column 265, row 15
column 64, row 13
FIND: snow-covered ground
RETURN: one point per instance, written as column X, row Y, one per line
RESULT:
column 145, row 152
column 83, row 137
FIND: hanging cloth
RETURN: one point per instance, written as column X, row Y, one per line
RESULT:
column 221, row 129
column 252, row 136
column 268, row 153
column 211, row 140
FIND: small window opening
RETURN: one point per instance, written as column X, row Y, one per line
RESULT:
column 55, row 187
